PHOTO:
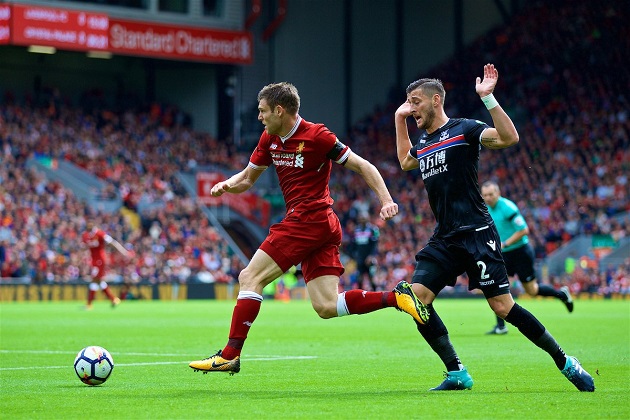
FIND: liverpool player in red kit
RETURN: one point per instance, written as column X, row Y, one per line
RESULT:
column 96, row 239
column 310, row 233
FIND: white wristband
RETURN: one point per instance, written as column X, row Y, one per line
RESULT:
column 489, row 101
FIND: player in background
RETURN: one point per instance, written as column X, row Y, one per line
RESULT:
column 465, row 238
column 518, row 254
column 310, row 233
column 363, row 248
column 95, row 239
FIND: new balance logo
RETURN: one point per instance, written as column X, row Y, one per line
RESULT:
column 492, row 245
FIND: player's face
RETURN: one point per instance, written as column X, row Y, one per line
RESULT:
column 269, row 117
column 421, row 109
column 490, row 195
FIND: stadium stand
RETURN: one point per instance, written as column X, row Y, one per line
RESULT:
column 569, row 174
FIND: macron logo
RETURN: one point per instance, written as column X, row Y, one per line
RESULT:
column 492, row 245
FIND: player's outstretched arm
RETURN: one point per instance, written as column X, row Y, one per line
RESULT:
column 119, row 247
column 237, row 183
column 375, row 181
column 504, row 133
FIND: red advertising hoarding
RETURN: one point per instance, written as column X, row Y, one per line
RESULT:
column 87, row 31
column 249, row 205
column 179, row 43
column 5, row 19
column 59, row 28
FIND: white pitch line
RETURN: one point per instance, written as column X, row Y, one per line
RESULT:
column 249, row 359
column 69, row 352
column 115, row 365
column 264, row 357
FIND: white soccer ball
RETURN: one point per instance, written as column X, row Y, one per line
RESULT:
column 93, row 365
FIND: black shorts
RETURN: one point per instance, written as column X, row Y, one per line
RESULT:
column 477, row 252
column 520, row 261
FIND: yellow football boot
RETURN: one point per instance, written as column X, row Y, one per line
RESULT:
column 407, row 301
column 216, row 363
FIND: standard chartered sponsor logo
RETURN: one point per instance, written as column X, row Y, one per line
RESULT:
column 288, row 159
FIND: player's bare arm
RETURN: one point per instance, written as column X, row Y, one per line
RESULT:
column 237, row 183
column 504, row 133
column 375, row 181
column 119, row 247
column 403, row 142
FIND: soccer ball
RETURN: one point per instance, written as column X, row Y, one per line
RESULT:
column 93, row 365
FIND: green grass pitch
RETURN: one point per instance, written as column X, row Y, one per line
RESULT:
column 295, row 365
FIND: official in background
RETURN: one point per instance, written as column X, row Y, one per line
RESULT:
column 518, row 254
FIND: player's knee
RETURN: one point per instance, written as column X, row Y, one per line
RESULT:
column 246, row 280
column 531, row 288
column 325, row 311
column 501, row 307
column 502, row 310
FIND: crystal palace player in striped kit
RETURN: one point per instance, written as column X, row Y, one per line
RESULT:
column 465, row 237
column 310, row 233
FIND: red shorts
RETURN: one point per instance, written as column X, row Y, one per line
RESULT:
column 98, row 269
column 310, row 238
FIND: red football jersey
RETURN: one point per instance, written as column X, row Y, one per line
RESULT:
column 303, row 161
column 95, row 240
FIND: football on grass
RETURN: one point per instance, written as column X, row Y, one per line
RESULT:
column 93, row 365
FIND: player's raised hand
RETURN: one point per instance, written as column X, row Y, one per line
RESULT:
column 389, row 210
column 490, row 77
column 220, row 188
column 404, row 110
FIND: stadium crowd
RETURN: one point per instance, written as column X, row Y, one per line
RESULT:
column 42, row 221
column 568, row 175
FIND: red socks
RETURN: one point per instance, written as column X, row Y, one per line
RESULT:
column 245, row 312
column 91, row 296
column 248, row 306
column 362, row 302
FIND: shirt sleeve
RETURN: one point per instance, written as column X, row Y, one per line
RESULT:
column 518, row 221
column 339, row 152
column 473, row 129
column 414, row 152
column 261, row 157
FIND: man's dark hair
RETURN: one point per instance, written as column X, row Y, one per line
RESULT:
column 429, row 87
column 283, row 94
